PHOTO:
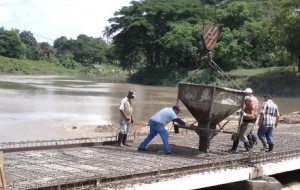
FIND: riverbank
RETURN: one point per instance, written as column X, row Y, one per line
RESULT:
column 103, row 73
column 278, row 81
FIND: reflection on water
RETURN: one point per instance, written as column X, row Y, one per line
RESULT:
column 35, row 104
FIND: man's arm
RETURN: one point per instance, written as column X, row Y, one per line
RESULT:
column 126, row 118
column 179, row 121
column 277, row 117
column 260, row 121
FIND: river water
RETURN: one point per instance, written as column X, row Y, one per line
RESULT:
column 34, row 107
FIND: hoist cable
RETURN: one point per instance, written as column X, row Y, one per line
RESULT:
column 224, row 74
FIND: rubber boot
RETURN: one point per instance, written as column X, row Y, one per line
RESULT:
column 247, row 146
column 264, row 146
column 120, row 139
column 250, row 143
column 271, row 146
column 254, row 140
column 234, row 146
column 124, row 140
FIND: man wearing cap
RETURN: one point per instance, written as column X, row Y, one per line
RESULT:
column 249, row 118
column 254, row 101
column 157, row 126
column 126, row 118
column 268, row 119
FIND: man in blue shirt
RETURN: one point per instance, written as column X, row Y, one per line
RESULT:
column 157, row 126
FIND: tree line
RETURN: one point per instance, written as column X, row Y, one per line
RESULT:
column 166, row 34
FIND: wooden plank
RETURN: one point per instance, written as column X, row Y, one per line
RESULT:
column 2, row 176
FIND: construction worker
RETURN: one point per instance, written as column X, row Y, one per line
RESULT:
column 157, row 126
column 251, row 137
column 269, row 117
column 249, row 119
column 126, row 118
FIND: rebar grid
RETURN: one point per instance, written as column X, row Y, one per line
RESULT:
column 111, row 167
column 43, row 143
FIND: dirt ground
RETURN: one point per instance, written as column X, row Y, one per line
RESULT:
column 141, row 128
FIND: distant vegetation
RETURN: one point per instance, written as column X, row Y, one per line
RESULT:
column 158, row 42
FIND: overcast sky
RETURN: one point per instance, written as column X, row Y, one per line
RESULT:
column 55, row 18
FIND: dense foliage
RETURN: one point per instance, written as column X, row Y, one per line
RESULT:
column 165, row 34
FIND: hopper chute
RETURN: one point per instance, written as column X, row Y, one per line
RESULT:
column 209, row 105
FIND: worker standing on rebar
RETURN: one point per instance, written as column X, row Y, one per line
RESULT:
column 126, row 118
column 249, row 119
column 157, row 126
column 268, row 119
column 251, row 137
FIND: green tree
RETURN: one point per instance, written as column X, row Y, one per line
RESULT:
column 181, row 45
column 288, row 23
column 11, row 44
column 89, row 50
column 32, row 51
column 143, row 26
column 106, row 33
column 47, row 50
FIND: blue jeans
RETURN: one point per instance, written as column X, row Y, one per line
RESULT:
column 154, row 129
column 265, row 133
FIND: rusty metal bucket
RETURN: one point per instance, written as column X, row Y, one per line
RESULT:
column 209, row 105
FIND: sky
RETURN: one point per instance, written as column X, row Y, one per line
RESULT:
column 51, row 19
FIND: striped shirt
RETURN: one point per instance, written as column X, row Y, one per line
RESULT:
column 270, row 112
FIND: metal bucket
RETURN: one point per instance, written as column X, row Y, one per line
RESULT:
column 209, row 105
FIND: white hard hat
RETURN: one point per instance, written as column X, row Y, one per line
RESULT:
column 248, row 91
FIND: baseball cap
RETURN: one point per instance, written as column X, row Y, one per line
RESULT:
column 268, row 96
column 248, row 91
column 130, row 92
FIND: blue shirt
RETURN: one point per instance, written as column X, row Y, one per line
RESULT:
column 164, row 116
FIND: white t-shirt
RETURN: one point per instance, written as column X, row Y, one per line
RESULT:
column 164, row 116
column 127, row 108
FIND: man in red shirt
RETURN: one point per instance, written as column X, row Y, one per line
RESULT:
column 249, row 92
column 249, row 119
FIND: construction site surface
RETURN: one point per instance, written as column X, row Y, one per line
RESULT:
column 100, row 164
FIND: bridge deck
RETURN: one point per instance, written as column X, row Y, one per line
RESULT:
column 109, row 166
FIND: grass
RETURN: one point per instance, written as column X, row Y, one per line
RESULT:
column 104, row 72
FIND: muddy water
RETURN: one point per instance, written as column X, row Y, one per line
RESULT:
column 33, row 107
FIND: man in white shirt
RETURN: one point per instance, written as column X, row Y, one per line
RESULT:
column 126, row 118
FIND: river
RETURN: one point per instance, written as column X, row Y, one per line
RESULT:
column 34, row 107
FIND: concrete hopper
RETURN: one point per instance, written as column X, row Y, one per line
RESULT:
column 209, row 105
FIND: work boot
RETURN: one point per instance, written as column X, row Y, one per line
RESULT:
column 271, row 146
column 264, row 146
column 251, row 143
column 120, row 139
column 234, row 146
column 254, row 140
column 247, row 146
column 124, row 140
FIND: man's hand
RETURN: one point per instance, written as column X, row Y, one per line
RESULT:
column 242, row 113
column 127, row 119
column 190, row 125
